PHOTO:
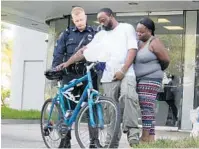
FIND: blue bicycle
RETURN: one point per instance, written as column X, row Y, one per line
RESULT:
column 93, row 111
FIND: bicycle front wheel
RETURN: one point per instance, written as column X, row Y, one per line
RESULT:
column 50, row 126
column 102, row 137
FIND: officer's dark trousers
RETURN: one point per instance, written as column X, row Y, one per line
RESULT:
column 79, row 90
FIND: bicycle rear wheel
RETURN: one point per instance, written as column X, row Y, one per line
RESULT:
column 104, row 136
column 50, row 130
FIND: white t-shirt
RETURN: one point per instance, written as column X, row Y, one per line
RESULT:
column 112, row 47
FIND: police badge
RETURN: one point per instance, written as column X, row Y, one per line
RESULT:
column 90, row 37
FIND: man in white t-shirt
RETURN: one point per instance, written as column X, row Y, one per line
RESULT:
column 117, row 45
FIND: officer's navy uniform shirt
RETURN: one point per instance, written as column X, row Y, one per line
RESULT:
column 69, row 41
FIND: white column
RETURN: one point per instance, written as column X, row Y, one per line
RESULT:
column 189, row 69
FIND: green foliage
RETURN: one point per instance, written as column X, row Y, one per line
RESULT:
column 8, row 113
column 6, row 58
column 4, row 94
column 167, row 143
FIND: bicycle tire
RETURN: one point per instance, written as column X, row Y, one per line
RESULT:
column 116, row 125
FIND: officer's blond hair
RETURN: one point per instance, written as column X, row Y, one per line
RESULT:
column 77, row 10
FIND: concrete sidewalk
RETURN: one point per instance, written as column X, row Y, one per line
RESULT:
column 15, row 133
column 22, row 121
column 29, row 136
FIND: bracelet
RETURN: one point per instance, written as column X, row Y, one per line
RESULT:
column 122, row 72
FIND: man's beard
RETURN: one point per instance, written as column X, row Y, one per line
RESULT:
column 108, row 27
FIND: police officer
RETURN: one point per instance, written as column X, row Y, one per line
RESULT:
column 68, row 43
column 71, row 38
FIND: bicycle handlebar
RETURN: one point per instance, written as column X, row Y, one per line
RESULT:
column 92, row 65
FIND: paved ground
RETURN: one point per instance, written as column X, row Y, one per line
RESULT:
column 29, row 136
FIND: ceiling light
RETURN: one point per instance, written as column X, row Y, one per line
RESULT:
column 163, row 20
column 173, row 27
column 131, row 14
column 163, row 13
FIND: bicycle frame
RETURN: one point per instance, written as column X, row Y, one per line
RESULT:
column 88, row 92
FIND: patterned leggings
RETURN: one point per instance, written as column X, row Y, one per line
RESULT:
column 147, row 92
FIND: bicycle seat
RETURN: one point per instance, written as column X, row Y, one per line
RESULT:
column 53, row 74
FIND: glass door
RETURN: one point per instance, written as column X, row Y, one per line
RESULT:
column 170, row 29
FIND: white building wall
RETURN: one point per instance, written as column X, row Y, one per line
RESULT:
column 29, row 64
